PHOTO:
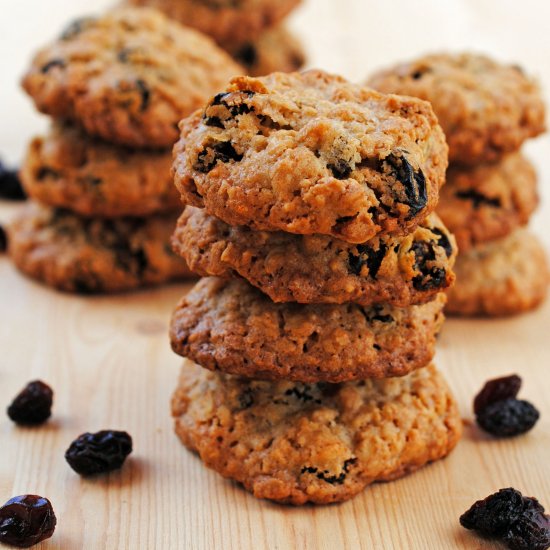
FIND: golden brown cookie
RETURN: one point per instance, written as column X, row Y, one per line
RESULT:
column 227, row 21
column 128, row 76
column 489, row 201
column 275, row 50
column 503, row 277
column 486, row 108
column 90, row 255
column 318, row 269
column 311, row 153
column 320, row 443
column 68, row 169
column 229, row 325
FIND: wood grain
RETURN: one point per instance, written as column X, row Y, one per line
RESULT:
column 110, row 364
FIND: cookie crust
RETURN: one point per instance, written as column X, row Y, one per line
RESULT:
column 488, row 202
column 320, row 443
column 93, row 256
column 318, row 269
column 486, row 108
column 504, row 277
column 311, row 153
column 230, row 326
column 128, row 76
column 68, row 169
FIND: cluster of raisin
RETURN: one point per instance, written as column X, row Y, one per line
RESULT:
column 499, row 412
column 27, row 520
column 517, row 521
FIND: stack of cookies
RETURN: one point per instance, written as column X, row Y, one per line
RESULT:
column 252, row 31
column 487, row 111
column 116, row 87
column 309, row 341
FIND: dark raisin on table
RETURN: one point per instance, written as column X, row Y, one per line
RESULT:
column 100, row 452
column 3, row 240
column 498, row 389
column 10, row 185
column 33, row 405
column 26, row 520
column 508, row 418
column 517, row 521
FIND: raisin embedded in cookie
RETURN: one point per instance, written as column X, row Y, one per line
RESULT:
column 320, row 443
column 128, row 76
column 275, row 50
column 503, row 277
column 227, row 21
column 68, row 169
column 311, row 153
column 229, row 325
column 318, row 269
column 488, row 202
column 91, row 255
column 486, row 108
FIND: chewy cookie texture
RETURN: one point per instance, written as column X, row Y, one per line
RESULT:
column 486, row 108
column 232, row 327
column 489, row 201
column 128, row 76
column 320, row 443
column 319, row 269
column 89, row 255
column 68, row 169
column 311, row 153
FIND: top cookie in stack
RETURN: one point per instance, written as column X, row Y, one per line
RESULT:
column 487, row 111
column 116, row 87
column 252, row 31
column 319, row 193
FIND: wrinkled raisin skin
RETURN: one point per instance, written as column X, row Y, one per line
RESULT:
column 498, row 389
column 429, row 278
column 369, row 256
column 33, row 405
column 507, row 515
column 97, row 453
column 222, row 152
column 413, row 181
column 26, row 520
column 508, row 417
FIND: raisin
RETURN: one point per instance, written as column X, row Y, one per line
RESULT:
column 145, row 94
column 477, row 198
column 341, row 169
column 443, row 241
column 429, row 278
column 33, row 405
column 74, row 28
column 508, row 417
column 46, row 172
column 10, row 185
column 98, row 453
column 3, row 240
column 51, row 64
column 325, row 474
column 247, row 55
column 375, row 314
column 367, row 256
column 413, row 182
column 498, row 389
column 209, row 157
column 234, row 104
column 246, row 399
column 303, row 394
column 26, row 520
column 507, row 515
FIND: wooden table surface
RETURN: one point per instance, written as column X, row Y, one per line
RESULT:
column 110, row 364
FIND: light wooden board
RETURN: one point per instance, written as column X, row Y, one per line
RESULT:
column 110, row 364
